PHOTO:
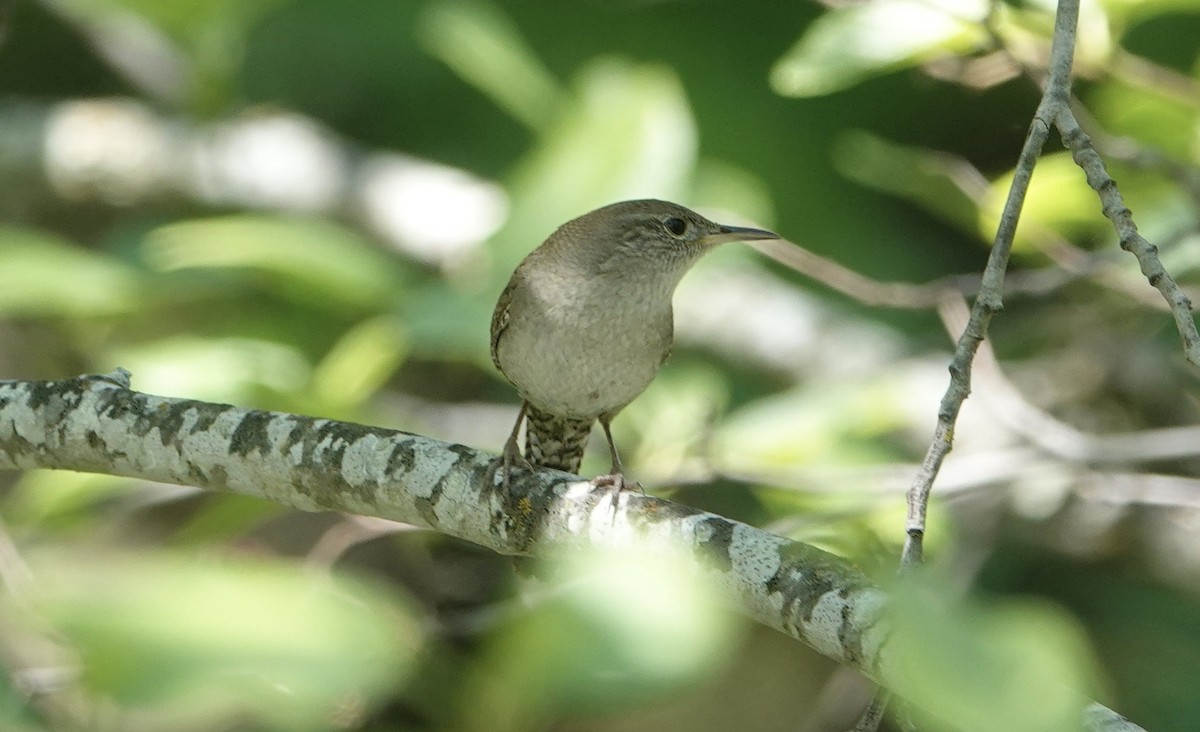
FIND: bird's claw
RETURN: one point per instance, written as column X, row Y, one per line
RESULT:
column 618, row 482
column 504, row 465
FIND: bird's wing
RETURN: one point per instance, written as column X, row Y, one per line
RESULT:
column 500, row 319
column 668, row 331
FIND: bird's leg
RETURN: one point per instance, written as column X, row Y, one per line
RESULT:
column 512, row 453
column 616, row 477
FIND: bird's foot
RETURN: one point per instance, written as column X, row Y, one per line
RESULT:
column 504, row 465
column 617, row 482
column 511, row 455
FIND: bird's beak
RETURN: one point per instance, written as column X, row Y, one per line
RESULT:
column 738, row 233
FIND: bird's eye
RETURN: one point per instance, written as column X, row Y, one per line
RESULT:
column 675, row 226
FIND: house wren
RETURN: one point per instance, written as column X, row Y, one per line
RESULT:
column 586, row 321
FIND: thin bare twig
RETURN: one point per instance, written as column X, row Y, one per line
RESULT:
column 1118, row 213
column 902, row 295
column 989, row 301
column 1137, row 155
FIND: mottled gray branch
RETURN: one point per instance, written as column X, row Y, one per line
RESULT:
column 97, row 424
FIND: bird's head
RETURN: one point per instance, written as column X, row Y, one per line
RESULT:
column 651, row 233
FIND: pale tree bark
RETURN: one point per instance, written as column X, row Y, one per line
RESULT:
column 97, row 424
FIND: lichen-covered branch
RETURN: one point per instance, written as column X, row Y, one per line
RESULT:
column 97, row 424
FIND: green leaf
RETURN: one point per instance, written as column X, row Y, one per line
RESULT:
column 723, row 186
column 192, row 644
column 44, row 500
column 16, row 713
column 449, row 322
column 1060, row 203
column 1158, row 121
column 207, row 36
column 483, row 46
column 850, row 44
column 224, row 517
column 360, row 362
column 617, row 629
column 44, row 275
column 931, row 179
column 233, row 370
column 629, row 127
column 1128, row 12
column 819, row 424
column 304, row 258
column 672, row 419
column 997, row 667
column 186, row 20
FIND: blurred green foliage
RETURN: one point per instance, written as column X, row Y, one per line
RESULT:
column 622, row 630
column 194, row 646
column 162, row 210
column 1015, row 664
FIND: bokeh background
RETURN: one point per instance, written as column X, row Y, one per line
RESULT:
column 312, row 205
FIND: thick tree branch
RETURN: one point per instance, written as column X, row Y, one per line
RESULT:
column 97, row 424
column 94, row 424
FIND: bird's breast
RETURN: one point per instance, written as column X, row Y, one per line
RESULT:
column 571, row 358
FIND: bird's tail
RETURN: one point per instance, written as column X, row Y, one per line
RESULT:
column 554, row 441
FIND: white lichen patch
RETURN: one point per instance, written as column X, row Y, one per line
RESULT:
column 822, row 629
column 430, row 465
column 364, row 461
column 754, row 554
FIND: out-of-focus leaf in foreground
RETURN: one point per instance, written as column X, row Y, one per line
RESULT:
column 621, row 630
column 185, row 644
column 1006, row 665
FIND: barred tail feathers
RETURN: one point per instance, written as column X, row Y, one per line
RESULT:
column 554, row 441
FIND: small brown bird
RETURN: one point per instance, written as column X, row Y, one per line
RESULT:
column 586, row 322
